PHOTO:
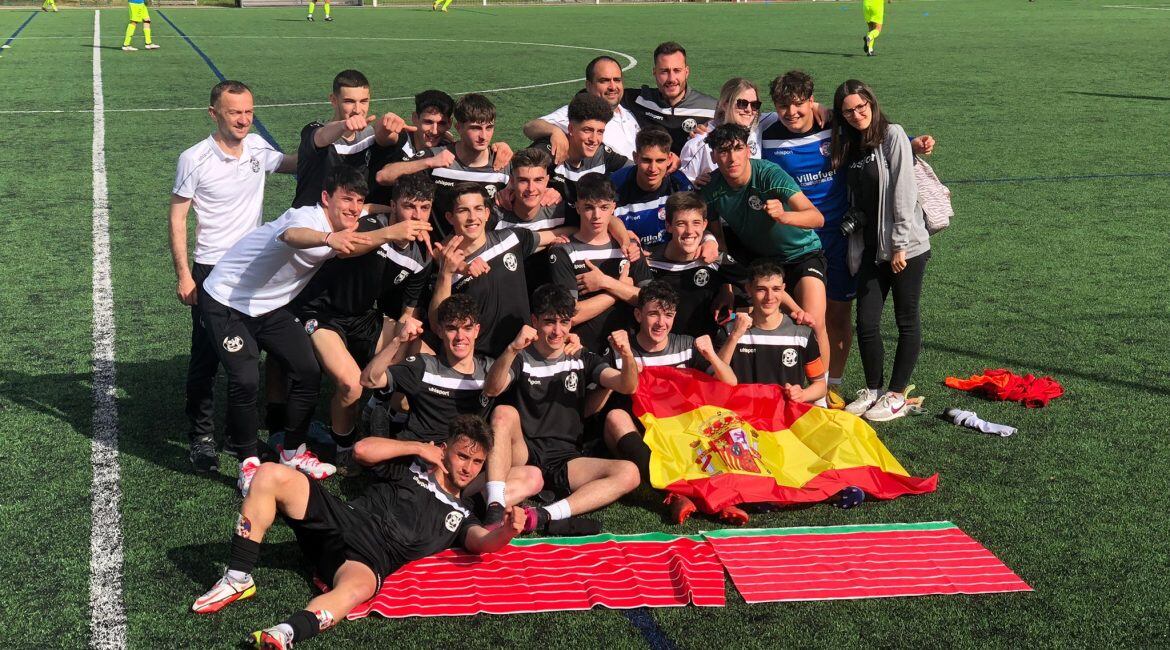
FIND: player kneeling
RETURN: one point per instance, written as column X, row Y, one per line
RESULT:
column 354, row 546
column 542, row 425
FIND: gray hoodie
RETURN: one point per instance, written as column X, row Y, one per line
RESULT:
column 900, row 223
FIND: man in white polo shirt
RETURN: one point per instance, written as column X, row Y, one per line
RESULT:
column 603, row 78
column 222, row 178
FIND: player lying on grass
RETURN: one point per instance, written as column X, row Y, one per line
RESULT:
column 541, row 422
column 353, row 546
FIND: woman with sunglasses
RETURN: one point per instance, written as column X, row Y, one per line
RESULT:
column 888, row 242
column 739, row 103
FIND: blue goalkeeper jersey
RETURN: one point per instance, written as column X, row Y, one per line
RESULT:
column 806, row 157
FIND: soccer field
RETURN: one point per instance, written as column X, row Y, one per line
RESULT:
column 1051, row 126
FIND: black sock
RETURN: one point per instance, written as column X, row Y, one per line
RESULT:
column 634, row 449
column 294, row 439
column 244, row 554
column 304, row 624
column 542, row 519
column 341, row 439
column 274, row 417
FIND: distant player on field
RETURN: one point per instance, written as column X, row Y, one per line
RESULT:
column 874, row 11
column 138, row 14
column 313, row 7
column 441, row 5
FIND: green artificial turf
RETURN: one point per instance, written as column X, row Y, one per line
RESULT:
column 1061, row 272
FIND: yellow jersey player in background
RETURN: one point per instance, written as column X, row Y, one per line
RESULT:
column 874, row 11
column 138, row 14
column 441, row 5
column 313, row 7
column 49, row 4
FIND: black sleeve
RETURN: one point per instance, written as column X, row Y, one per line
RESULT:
column 464, row 526
column 528, row 241
column 721, row 336
column 614, row 160
column 413, row 286
column 640, row 272
column 560, row 270
column 594, row 365
column 405, row 377
column 307, row 145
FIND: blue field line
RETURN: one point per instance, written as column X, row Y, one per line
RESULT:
column 260, row 128
column 1076, row 177
column 20, row 29
column 652, row 634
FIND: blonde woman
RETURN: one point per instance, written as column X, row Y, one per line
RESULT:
column 739, row 103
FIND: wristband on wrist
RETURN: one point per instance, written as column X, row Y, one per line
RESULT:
column 327, row 236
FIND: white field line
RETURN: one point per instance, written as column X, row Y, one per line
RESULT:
column 107, row 626
column 631, row 62
column 1135, row 7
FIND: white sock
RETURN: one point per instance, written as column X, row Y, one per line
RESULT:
column 495, row 492
column 238, row 576
column 286, row 455
column 558, row 510
column 972, row 420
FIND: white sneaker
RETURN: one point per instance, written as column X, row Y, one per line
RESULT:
column 225, row 592
column 152, row 46
column 129, row 48
column 305, row 462
column 247, row 471
column 890, row 406
column 865, row 399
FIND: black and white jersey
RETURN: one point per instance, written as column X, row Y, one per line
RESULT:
column 550, row 393
column 565, row 175
column 445, row 179
column 380, row 156
column 416, row 516
column 406, row 276
column 437, row 394
column 314, row 163
column 696, row 283
column 678, row 353
column 644, row 211
column 546, row 218
column 345, row 286
column 502, row 292
column 568, row 260
column 679, row 120
column 788, row 354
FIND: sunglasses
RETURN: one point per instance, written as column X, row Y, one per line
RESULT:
column 743, row 104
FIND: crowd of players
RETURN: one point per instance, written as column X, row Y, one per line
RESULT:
column 495, row 307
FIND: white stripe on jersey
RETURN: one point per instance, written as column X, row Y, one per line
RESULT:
column 423, row 478
column 675, row 359
column 543, row 224
column 454, row 383
column 470, row 175
column 596, row 254
column 490, row 254
column 639, row 207
column 685, row 112
column 357, row 147
column 681, row 266
column 793, row 143
column 389, row 252
column 576, row 175
column 773, row 340
column 549, row 371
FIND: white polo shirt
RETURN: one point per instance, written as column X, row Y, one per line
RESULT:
column 261, row 273
column 227, row 193
column 619, row 132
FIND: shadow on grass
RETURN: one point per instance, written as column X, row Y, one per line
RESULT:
column 818, row 53
column 1120, row 96
column 203, row 563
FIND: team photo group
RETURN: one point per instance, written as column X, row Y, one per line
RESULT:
column 478, row 315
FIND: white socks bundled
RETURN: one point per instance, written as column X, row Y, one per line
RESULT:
column 971, row 420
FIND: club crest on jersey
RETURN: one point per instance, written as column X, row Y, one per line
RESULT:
column 662, row 213
column 510, row 261
column 789, row 358
column 702, row 277
column 310, row 326
column 491, row 191
column 571, row 382
column 454, row 518
column 688, row 125
column 754, row 147
column 755, row 203
column 483, row 399
column 826, row 147
column 401, row 276
column 255, row 166
column 233, row 343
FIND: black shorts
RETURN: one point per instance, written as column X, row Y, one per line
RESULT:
column 810, row 265
column 333, row 532
column 552, row 458
column 359, row 333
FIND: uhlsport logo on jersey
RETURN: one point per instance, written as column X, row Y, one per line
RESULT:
column 483, row 399
column 702, row 277
column 510, row 261
column 233, row 343
column 571, row 382
column 755, row 203
column 454, row 518
column 789, row 358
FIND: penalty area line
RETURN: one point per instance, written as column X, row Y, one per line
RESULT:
column 8, row 43
column 107, row 625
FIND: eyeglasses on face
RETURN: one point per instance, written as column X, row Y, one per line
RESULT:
column 863, row 107
column 743, row 105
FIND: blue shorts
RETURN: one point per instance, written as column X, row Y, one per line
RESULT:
column 840, row 285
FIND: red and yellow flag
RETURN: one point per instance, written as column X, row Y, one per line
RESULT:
column 722, row 445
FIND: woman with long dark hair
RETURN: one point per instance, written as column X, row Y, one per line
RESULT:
column 888, row 242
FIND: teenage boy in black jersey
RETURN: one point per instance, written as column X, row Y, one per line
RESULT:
column 767, row 347
column 656, row 346
column 542, row 423
column 353, row 546
column 588, row 115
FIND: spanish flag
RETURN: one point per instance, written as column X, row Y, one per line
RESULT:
column 723, row 445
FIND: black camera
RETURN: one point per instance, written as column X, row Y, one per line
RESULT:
column 853, row 219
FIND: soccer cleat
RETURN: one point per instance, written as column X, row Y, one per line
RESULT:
column 834, row 399
column 535, row 519
column 225, row 592
column 129, row 48
column 247, row 471
column 328, row 19
column 733, row 516
column 152, row 46
column 273, row 638
column 850, row 497
column 204, row 456
column 888, row 407
column 681, row 508
column 866, row 397
column 305, row 462
column 310, row 19
column 494, row 516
